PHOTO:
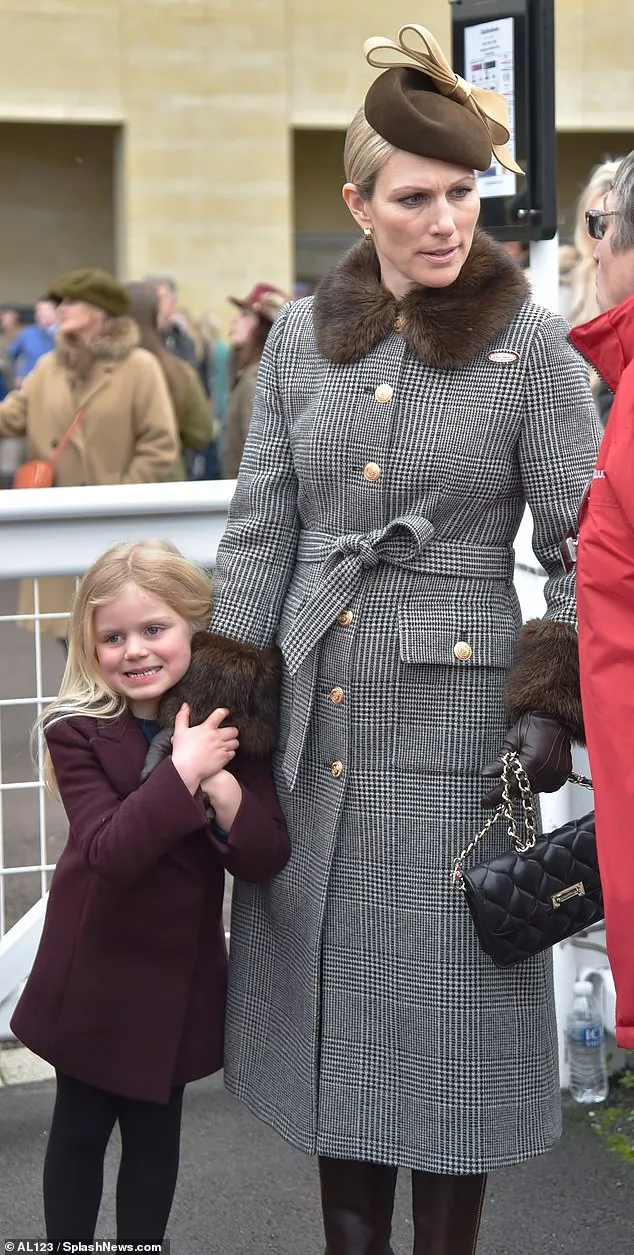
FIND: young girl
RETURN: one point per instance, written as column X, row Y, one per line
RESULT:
column 126, row 996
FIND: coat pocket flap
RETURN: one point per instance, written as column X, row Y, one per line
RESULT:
column 469, row 633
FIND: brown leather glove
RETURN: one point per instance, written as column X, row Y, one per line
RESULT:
column 543, row 747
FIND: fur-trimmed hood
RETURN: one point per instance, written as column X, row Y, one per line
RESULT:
column 445, row 327
column 246, row 680
column 115, row 342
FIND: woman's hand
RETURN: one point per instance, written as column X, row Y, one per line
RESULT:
column 202, row 751
column 543, row 747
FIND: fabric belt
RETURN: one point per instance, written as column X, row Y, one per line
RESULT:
column 408, row 543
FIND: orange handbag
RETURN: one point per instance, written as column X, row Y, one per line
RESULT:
column 36, row 474
column 40, row 472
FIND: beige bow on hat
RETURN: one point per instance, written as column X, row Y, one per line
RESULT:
column 490, row 106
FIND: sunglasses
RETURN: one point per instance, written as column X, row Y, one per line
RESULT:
column 596, row 221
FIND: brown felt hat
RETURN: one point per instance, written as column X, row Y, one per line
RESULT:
column 420, row 105
column 409, row 112
column 95, row 287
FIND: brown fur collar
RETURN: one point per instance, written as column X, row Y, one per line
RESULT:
column 545, row 675
column 246, row 680
column 446, row 327
column 115, row 342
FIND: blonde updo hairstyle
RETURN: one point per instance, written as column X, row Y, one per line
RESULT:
column 156, row 567
column 364, row 154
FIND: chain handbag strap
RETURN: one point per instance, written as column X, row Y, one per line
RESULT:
column 511, row 767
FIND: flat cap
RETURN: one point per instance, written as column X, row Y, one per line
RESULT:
column 95, row 287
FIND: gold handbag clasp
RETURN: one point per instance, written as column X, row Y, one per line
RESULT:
column 571, row 891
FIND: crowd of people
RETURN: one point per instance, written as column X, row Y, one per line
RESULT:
column 210, row 381
column 334, row 734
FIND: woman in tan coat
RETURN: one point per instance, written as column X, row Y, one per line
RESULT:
column 191, row 406
column 249, row 332
column 127, row 431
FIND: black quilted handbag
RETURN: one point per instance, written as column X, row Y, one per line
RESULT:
column 541, row 891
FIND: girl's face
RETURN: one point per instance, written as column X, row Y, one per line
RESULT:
column 423, row 214
column 143, row 647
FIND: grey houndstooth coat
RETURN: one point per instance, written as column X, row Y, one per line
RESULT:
column 384, row 478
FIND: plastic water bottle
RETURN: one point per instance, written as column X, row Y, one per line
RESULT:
column 585, row 1047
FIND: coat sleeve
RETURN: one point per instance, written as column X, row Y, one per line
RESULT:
column 14, row 411
column 119, row 839
column 257, row 847
column 257, row 553
column 238, row 421
column 194, row 421
column 558, row 447
column 557, row 451
column 156, row 443
column 16, row 348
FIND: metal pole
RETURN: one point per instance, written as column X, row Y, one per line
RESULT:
column 544, row 264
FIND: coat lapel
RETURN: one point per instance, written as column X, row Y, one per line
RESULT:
column 122, row 747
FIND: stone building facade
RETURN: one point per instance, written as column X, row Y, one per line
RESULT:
column 203, row 138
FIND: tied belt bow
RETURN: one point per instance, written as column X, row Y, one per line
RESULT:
column 408, row 543
column 345, row 560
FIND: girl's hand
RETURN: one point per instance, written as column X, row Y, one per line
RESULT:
column 205, row 749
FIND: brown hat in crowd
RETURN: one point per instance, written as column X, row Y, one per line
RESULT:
column 95, row 287
column 263, row 300
column 421, row 106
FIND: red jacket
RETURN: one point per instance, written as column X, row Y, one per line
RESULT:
column 605, row 606
column 127, row 991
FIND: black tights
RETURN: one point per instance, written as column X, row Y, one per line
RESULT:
column 83, row 1120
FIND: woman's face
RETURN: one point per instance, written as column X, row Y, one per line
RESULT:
column 78, row 318
column 242, row 327
column 423, row 214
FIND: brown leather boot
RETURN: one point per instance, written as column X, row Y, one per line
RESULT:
column 446, row 1212
column 357, row 1201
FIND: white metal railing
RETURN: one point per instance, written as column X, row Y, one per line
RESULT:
column 60, row 531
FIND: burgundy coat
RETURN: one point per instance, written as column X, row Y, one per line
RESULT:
column 127, row 991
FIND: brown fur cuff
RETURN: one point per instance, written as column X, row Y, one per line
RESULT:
column 246, row 680
column 545, row 675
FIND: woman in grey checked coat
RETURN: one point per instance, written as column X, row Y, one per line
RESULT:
column 404, row 417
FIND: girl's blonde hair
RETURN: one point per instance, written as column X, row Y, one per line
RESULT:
column 154, row 566
column 582, row 276
column 364, row 154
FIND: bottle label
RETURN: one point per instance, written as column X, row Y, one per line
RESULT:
column 586, row 1035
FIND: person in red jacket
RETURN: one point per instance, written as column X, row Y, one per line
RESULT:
column 127, row 992
column 605, row 582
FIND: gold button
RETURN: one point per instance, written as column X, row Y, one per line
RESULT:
column 462, row 650
column 399, row 322
column 344, row 618
column 336, row 695
column 372, row 472
column 384, row 392
column 336, row 769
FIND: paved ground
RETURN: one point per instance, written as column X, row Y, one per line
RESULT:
column 243, row 1191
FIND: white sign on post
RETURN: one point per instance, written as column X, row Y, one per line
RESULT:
column 489, row 64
